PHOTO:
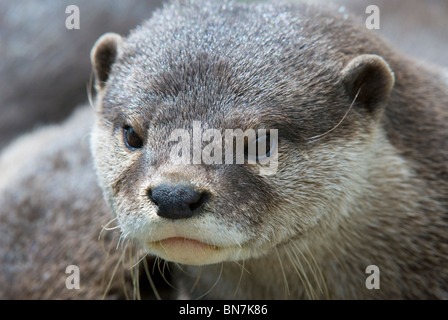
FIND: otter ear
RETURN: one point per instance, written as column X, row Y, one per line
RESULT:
column 103, row 55
column 369, row 79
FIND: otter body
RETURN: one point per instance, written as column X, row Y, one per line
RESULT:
column 362, row 153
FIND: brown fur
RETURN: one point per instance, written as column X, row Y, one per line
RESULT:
column 33, row 267
column 60, row 223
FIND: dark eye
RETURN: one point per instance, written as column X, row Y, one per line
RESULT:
column 131, row 139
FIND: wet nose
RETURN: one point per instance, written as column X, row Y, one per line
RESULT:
column 178, row 201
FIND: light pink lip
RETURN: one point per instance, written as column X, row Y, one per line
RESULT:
column 187, row 251
column 185, row 242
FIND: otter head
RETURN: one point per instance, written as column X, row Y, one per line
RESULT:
column 221, row 148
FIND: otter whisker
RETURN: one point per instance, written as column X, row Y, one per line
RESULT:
column 166, row 266
column 120, row 260
column 310, row 267
column 105, row 227
column 109, row 229
column 300, row 272
column 122, row 239
column 214, row 284
column 315, row 138
column 140, row 260
column 91, row 90
column 196, row 281
column 135, row 279
column 151, row 282
column 324, row 282
column 162, row 270
column 241, row 276
column 312, row 293
column 156, row 261
column 242, row 266
column 283, row 273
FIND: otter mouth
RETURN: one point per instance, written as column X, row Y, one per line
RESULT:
column 186, row 243
column 186, row 251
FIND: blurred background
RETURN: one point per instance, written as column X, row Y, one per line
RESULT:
column 45, row 68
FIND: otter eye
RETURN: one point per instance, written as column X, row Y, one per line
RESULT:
column 262, row 147
column 131, row 139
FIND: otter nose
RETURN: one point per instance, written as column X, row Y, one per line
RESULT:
column 177, row 202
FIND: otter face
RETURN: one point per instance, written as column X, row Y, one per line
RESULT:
column 162, row 153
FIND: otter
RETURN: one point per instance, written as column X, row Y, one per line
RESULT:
column 362, row 153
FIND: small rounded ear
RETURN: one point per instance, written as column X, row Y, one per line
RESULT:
column 103, row 55
column 368, row 79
